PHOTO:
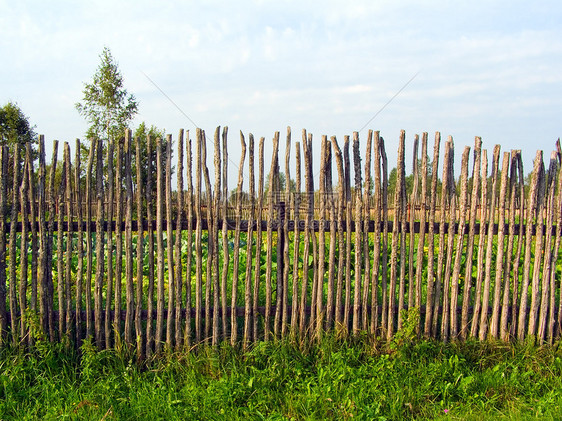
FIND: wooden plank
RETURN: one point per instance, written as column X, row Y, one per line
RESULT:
column 467, row 289
column 236, row 251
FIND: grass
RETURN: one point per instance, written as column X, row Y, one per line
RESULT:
column 335, row 379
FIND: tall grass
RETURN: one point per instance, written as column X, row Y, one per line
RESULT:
column 334, row 379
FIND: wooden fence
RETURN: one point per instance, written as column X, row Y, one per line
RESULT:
column 102, row 251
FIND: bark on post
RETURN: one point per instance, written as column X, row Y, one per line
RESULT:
column 160, row 247
column 236, row 255
column 170, row 330
column 500, row 275
column 270, row 216
column 139, row 336
column 80, row 247
column 442, row 245
column 257, row 271
column 377, row 238
column 178, row 258
column 358, row 233
column 12, row 251
column 250, row 235
column 423, row 219
column 189, row 251
column 109, row 229
column 3, row 193
column 365, row 242
column 481, row 245
column 296, row 243
column 459, row 244
column 98, row 288
column 470, row 239
column 531, row 212
column 412, row 236
column 130, row 293
column 488, row 268
column 431, row 234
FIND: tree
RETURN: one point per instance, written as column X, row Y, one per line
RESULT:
column 15, row 126
column 145, row 134
column 16, row 129
column 107, row 106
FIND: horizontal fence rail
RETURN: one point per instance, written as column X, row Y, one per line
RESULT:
column 109, row 249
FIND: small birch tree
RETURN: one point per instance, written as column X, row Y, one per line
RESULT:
column 106, row 104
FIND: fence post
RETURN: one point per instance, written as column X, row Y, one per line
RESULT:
column 3, row 315
column 281, row 209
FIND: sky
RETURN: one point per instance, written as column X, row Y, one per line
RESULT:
column 489, row 68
